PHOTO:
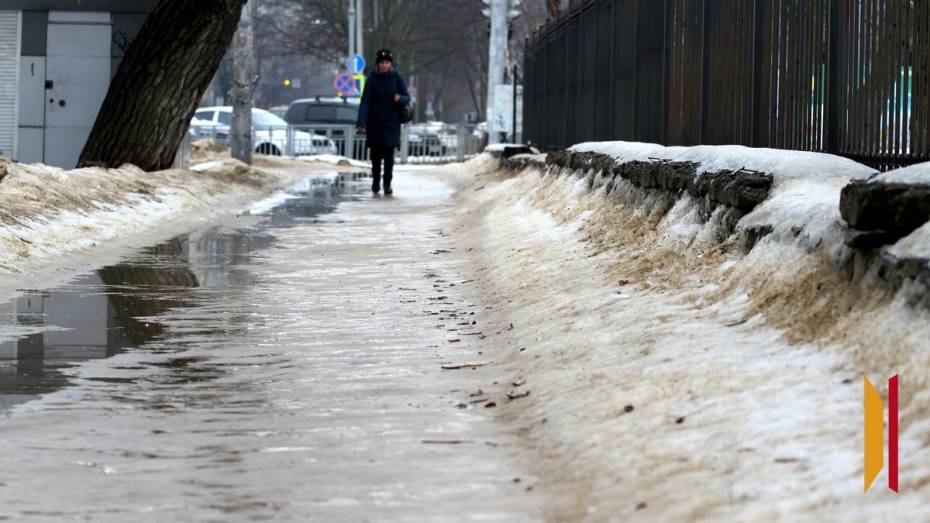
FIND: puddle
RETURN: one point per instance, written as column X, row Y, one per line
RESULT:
column 116, row 308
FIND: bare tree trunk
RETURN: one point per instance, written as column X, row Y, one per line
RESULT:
column 552, row 8
column 155, row 92
column 240, row 95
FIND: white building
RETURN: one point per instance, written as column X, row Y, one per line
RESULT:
column 56, row 61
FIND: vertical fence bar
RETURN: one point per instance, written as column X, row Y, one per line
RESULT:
column 404, row 143
column 918, row 80
column 862, row 106
column 612, row 71
column 834, row 75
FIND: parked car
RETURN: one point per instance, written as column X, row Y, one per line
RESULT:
column 426, row 141
column 334, row 118
column 481, row 130
column 278, row 110
column 269, row 132
column 319, row 111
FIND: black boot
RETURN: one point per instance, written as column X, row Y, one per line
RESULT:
column 375, row 184
column 388, row 170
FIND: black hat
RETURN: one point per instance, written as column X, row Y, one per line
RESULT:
column 384, row 54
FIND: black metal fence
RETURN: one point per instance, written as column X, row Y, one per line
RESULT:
column 850, row 77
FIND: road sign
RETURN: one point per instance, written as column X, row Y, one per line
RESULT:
column 359, row 84
column 344, row 84
column 356, row 64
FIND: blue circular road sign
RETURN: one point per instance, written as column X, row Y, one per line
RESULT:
column 356, row 64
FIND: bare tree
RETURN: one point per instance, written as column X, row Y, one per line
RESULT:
column 435, row 41
column 552, row 8
column 152, row 98
column 243, row 84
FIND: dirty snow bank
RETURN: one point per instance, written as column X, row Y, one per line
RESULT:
column 333, row 159
column 47, row 212
column 674, row 378
column 207, row 149
column 914, row 245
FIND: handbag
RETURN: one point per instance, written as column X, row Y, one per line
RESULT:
column 406, row 112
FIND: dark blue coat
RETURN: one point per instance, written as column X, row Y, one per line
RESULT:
column 378, row 112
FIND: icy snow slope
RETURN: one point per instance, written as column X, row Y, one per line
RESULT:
column 46, row 212
column 674, row 378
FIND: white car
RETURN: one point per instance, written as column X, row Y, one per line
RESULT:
column 269, row 132
column 480, row 130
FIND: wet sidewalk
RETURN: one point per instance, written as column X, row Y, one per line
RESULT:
column 283, row 366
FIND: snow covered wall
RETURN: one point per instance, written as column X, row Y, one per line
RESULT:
column 850, row 210
column 692, row 359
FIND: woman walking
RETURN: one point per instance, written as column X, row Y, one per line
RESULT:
column 383, row 100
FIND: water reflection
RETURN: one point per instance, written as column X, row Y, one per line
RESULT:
column 116, row 308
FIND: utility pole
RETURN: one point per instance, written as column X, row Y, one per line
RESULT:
column 351, row 28
column 496, row 49
column 360, row 28
column 514, row 75
column 243, row 85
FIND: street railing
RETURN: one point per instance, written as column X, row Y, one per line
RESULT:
column 419, row 147
column 344, row 139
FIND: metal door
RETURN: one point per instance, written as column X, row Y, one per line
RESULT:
column 30, row 147
column 77, row 78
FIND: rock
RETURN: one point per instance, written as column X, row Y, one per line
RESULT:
column 741, row 190
column 514, row 394
column 523, row 161
column 869, row 240
column 559, row 158
column 754, row 233
column 896, row 208
column 505, row 151
column 897, row 271
column 5, row 167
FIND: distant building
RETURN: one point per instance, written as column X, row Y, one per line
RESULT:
column 56, row 61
